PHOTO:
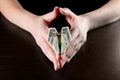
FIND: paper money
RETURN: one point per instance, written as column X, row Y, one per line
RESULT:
column 59, row 41
column 65, row 38
column 53, row 39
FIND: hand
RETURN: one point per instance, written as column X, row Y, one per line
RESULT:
column 79, row 28
column 40, row 33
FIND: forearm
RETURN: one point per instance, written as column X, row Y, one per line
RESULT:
column 15, row 13
column 108, row 13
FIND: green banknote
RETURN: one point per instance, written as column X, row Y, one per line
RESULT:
column 59, row 41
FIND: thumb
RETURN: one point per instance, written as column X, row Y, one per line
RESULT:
column 66, row 12
column 49, row 17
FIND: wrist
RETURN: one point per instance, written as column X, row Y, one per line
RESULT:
column 38, row 28
column 28, row 21
column 86, row 22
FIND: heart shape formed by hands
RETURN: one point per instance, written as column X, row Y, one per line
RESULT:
column 78, row 28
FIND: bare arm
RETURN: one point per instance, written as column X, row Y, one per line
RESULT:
column 108, row 13
column 81, row 24
column 34, row 24
column 14, row 12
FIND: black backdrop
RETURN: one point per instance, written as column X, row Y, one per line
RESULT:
column 22, row 59
column 41, row 7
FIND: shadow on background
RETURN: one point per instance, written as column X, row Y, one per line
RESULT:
column 22, row 59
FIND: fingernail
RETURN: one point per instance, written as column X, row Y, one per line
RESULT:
column 56, row 66
column 61, row 8
column 56, row 7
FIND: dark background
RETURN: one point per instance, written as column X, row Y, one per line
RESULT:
column 41, row 7
column 22, row 59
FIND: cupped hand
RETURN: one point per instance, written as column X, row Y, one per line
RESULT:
column 79, row 28
column 40, row 33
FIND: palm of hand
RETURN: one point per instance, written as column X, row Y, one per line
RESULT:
column 41, row 35
column 79, row 28
column 78, row 32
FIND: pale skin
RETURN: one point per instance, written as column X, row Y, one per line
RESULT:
column 80, row 25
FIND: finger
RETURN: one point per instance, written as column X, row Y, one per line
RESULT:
column 71, row 45
column 70, row 16
column 49, row 17
column 74, row 47
column 63, row 60
column 77, row 44
column 53, row 56
column 66, row 12
column 75, row 50
column 74, row 33
column 69, row 51
column 49, row 52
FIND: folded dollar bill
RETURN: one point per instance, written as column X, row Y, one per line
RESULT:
column 59, row 41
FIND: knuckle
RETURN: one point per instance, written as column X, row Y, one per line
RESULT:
column 82, row 39
column 76, row 47
column 71, row 43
